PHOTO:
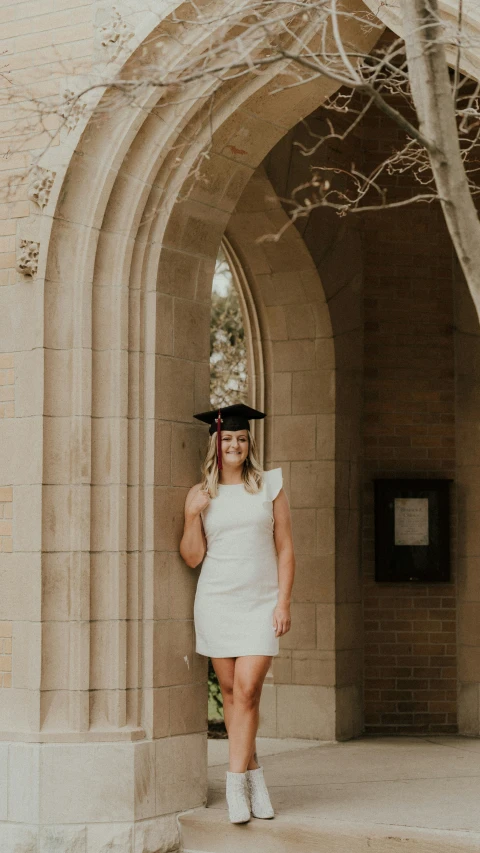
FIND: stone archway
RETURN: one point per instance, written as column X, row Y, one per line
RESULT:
column 115, row 717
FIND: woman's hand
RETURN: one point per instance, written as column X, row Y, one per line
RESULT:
column 197, row 503
column 281, row 619
column 193, row 544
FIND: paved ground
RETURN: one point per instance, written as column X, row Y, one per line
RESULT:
column 427, row 783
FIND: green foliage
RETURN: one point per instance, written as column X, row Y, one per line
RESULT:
column 215, row 700
column 228, row 355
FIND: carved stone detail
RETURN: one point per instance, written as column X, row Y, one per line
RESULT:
column 115, row 34
column 157, row 835
column 113, row 840
column 71, row 109
column 63, row 839
column 16, row 837
column 39, row 190
column 27, row 261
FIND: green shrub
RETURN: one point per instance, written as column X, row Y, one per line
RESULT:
column 215, row 700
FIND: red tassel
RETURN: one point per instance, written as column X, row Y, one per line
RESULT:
column 219, row 442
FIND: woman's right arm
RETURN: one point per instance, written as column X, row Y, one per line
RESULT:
column 193, row 544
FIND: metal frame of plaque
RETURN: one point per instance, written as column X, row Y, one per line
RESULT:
column 412, row 531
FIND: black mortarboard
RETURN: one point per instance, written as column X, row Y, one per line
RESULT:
column 229, row 417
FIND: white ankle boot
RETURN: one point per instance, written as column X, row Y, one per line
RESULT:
column 259, row 798
column 237, row 797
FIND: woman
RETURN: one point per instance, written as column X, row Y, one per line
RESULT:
column 238, row 518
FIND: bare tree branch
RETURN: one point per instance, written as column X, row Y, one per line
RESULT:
column 299, row 42
column 432, row 96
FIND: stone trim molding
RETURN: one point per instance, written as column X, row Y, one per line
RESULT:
column 27, row 260
column 115, row 34
column 40, row 187
column 71, row 110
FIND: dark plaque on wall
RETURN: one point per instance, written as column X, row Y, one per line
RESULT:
column 412, row 530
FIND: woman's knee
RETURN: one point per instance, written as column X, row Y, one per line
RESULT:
column 227, row 692
column 247, row 694
column 225, row 674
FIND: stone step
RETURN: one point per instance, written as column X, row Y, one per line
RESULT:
column 208, row 830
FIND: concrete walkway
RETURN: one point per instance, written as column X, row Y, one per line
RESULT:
column 372, row 794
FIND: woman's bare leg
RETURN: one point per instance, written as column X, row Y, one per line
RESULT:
column 249, row 675
column 225, row 671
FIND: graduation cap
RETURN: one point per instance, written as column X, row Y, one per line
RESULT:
column 229, row 417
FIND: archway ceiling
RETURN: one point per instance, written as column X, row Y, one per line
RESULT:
column 238, row 106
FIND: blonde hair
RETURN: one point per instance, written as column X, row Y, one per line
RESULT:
column 252, row 474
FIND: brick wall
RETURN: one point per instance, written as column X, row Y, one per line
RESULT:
column 409, row 431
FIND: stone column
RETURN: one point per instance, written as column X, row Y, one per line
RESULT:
column 299, row 380
column 335, row 249
column 104, row 737
column 467, row 416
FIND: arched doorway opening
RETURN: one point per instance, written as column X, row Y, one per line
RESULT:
column 229, row 379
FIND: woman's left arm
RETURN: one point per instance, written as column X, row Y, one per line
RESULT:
column 286, row 562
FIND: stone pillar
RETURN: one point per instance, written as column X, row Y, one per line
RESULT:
column 103, row 700
column 335, row 249
column 299, row 381
column 467, row 416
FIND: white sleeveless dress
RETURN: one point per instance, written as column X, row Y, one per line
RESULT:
column 237, row 589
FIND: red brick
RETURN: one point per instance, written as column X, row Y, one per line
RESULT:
column 448, row 672
column 403, row 719
column 396, row 695
column 427, row 672
column 399, row 672
column 415, row 706
column 431, row 695
column 446, row 660
column 382, row 683
column 451, row 707
column 412, row 684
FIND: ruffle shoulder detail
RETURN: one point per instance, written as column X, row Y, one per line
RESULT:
column 272, row 483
